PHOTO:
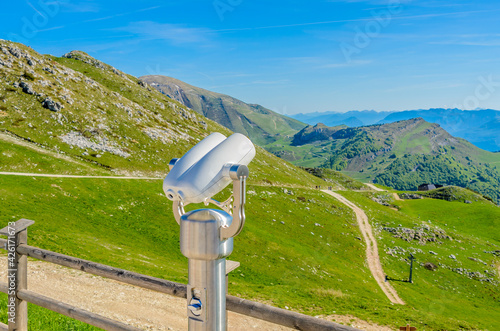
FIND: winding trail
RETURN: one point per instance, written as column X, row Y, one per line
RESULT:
column 372, row 256
column 373, row 187
column 396, row 197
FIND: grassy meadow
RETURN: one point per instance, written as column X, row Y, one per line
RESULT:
column 446, row 299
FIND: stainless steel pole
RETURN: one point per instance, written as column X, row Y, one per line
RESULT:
column 207, row 288
column 201, row 243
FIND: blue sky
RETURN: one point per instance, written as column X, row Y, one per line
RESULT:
column 290, row 56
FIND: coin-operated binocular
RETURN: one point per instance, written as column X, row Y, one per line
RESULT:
column 206, row 235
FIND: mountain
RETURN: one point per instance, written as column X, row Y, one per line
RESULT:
column 401, row 155
column 318, row 132
column 255, row 121
column 351, row 118
column 480, row 127
column 82, row 108
column 300, row 249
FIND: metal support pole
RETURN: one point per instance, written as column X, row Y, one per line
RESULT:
column 206, row 236
column 207, row 287
column 411, row 268
column 200, row 242
column 17, row 274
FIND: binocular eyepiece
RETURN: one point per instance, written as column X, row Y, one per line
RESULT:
column 208, row 168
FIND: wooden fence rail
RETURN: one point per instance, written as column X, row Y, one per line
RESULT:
column 71, row 311
column 245, row 307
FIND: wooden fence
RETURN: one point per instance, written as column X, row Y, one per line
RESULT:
column 19, row 295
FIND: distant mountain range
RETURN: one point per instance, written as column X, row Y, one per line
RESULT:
column 397, row 149
column 255, row 121
column 480, row 127
column 401, row 155
column 355, row 117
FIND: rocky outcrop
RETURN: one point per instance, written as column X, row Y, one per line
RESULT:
column 164, row 135
column 85, row 58
column 27, row 88
column 422, row 234
column 430, row 266
column 51, row 104
column 103, row 144
column 409, row 196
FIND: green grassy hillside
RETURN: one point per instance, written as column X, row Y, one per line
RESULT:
column 401, row 155
column 300, row 248
column 109, row 119
column 320, row 271
column 460, row 239
column 133, row 228
column 259, row 123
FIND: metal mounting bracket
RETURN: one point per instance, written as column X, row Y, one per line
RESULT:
column 234, row 205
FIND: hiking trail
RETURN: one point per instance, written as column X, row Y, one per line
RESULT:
column 372, row 256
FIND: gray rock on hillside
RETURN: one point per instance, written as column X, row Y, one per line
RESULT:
column 51, row 104
column 27, row 88
column 430, row 266
column 16, row 51
column 422, row 234
column 410, row 196
column 5, row 64
column 74, row 138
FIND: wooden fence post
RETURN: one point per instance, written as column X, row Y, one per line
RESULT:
column 17, row 273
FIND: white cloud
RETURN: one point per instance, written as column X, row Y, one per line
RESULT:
column 174, row 33
column 488, row 40
column 354, row 20
column 493, row 43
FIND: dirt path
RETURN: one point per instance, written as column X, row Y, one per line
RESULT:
column 373, row 187
column 372, row 256
column 395, row 195
column 145, row 309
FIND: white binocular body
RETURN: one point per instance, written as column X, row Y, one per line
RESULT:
column 208, row 168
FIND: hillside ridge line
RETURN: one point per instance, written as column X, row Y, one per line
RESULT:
column 72, row 176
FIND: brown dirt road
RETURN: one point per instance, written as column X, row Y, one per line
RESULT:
column 372, row 256
column 373, row 187
column 145, row 309
column 396, row 197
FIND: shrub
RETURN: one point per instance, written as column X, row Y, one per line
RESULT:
column 29, row 76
